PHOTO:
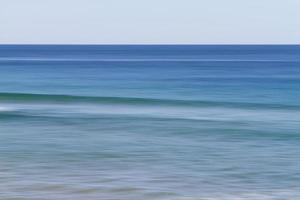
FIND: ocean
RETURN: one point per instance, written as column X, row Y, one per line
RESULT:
column 149, row 122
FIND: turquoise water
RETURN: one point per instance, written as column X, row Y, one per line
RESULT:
column 149, row 122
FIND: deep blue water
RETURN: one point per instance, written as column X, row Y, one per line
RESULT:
column 149, row 122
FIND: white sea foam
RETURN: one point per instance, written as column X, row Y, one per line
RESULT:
column 189, row 113
column 279, row 194
column 6, row 108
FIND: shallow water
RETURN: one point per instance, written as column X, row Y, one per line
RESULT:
column 149, row 122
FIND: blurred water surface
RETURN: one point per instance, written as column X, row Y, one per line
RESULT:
column 149, row 122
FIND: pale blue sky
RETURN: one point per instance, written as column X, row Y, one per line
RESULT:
column 150, row 21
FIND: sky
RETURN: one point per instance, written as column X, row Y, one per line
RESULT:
column 149, row 22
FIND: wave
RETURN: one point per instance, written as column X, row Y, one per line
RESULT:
column 67, row 107
column 68, row 99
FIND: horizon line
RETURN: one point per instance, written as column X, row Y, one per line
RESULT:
column 147, row 44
